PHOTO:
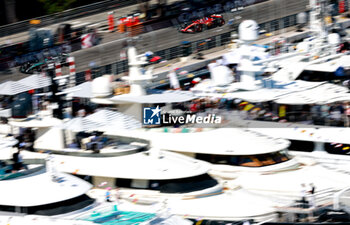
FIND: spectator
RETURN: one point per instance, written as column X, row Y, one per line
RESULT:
column 303, row 193
column 325, row 113
column 81, row 112
column 282, row 111
column 194, row 107
column 312, row 195
column 336, row 112
column 347, row 115
column 18, row 160
column 315, row 113
column 108, row 194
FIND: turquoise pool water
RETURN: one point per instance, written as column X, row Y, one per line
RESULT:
column 119, row 217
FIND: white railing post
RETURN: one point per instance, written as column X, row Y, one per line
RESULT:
column 336, row 198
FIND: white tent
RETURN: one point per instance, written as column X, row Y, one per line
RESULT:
column 165, row 97
column 5, row 113
column 113, row 120
column 13, row 88
column 293, row 93
column 80, row 91
column 321, row 94
column 36, row 81
column 102, row 120
column 80, row 124
column 342, row 98
column 261, row 95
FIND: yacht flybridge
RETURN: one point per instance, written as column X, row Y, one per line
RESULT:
column 54, row 191
column 230, row 150
column 41, row 190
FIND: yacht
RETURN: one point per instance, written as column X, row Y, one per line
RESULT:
column 42, row 195
column 326, row 145
column 151, row 176
column 41, row 191
column 247, row 158
column 315, row 59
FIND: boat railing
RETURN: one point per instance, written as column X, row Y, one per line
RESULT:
column 21, row 173
column 320, row 198
column 101, row 208
column 341, row 200
column 96, row 206
column 136, row 145
column 340, row 163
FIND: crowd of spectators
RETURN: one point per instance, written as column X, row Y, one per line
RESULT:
column 335, row 114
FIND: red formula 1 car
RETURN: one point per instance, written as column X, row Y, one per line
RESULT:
column 204, row 23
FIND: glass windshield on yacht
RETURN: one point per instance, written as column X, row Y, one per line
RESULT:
column 246, row 160
column 182, row 185
column 51, row 209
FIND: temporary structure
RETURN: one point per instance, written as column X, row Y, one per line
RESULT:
column 13, row 88
column 102, row 120
column 36, row 81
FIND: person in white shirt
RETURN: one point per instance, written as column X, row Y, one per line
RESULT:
column 303, row 192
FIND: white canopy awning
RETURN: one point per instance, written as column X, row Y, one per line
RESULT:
column 113, row 119
column 36, row 81
column 33, row 121
column 164, row 97
column 323, row 94
column 102, row 120
column 292, row 93
column 13, row 88
column 32, row 82
column 5, row 113
column 80, row 124
column 261, row 95
column 81, row 91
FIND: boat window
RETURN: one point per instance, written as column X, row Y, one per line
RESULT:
column 186, row 185
column 305, row 146
column 139, row 183
column 7, row 208
column 123, row 182
column 84, row 177
column 183, row 185
column 56, row 208
column 309, row 75
column 337, row 148
column 246, row 160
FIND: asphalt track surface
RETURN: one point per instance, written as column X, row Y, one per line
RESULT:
column 107, row 53
column 112, row 43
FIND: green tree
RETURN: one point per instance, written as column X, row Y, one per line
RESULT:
column 53, row 6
